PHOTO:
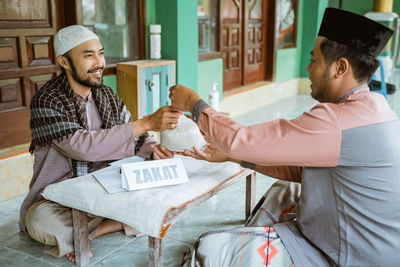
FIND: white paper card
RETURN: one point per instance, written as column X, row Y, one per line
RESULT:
column 148, row 174
column 119, row 163
column 110, row 179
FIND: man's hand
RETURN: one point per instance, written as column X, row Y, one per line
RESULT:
column 164, row 118
column 211, row 153
column 183, row 98
column 161, row 152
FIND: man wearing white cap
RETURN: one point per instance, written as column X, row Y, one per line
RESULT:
column 78, row 125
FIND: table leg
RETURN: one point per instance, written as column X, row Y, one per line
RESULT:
column 250, row 193
column 81, row 241
column 155, row 252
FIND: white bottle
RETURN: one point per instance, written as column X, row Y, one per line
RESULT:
column 155, row 41
column 214, row 97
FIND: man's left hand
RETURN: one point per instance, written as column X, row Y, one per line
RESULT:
column 210, row 153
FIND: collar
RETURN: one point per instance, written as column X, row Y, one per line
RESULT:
column 363, row 86
column 89, row 98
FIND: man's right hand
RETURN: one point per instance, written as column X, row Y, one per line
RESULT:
column 164, row 118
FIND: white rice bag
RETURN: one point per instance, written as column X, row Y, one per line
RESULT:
column 186, row 135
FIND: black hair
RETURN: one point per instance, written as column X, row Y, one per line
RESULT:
column 364, row 66
column 66, row 55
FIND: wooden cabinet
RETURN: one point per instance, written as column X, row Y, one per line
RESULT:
column 143, row 85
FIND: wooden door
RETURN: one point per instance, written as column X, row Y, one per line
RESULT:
column 231, row 42
column 254, row 60
column 27, row 29
column 247, row 44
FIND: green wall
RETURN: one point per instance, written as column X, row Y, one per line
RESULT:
column 209, row 72
column 361, row 6
column 292, row 62
column 179, row 40
column 111, row 80
column 313, row 11
column 288, row 60
column 288, row 64
column 150, row 19
column 178, row 19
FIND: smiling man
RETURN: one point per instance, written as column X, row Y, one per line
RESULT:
column 345, row 153
column 78, row 125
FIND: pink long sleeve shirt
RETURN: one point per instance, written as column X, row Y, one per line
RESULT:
column 347, row 158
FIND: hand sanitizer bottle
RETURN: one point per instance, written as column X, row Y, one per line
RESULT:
column 214, row 97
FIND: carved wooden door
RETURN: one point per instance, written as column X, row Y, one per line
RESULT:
column 243, row 45
column 254, row 41
column 231, row 42
column 27, row 61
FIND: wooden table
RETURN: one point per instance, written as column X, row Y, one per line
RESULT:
column 80, row 225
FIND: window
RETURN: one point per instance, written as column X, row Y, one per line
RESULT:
column 119, row 25
column 208, row 27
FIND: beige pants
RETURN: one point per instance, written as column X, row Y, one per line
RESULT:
column 51, row 224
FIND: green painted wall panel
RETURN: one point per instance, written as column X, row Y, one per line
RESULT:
column 110, row 80
column 361, row 6
column 313, row 11
column 187, row 43
column 150, row 12
column 179, row 39
column 287, row 64
column 210, row 71
column 396, row 7
column 288, row 60
column 166, row 15
column 178, row 19
column 291, row 63
column 150, row 19
column 358, row 6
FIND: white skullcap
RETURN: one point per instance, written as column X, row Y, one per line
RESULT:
column 70, row 37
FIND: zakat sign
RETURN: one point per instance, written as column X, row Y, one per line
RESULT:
column 148, row 174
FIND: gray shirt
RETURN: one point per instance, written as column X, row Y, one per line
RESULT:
column 349, row 157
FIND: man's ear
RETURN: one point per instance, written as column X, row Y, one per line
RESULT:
column 63, row 62
column 342, row 67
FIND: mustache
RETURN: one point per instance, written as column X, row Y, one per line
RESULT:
column 92, row 70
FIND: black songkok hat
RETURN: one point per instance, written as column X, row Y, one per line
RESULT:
column 358, row 32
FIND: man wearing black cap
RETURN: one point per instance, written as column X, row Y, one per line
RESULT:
column 345, row 153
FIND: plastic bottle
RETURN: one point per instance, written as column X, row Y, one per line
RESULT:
column 214, row 97
column 155, row 41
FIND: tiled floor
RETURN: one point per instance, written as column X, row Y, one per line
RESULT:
column 224, row 210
